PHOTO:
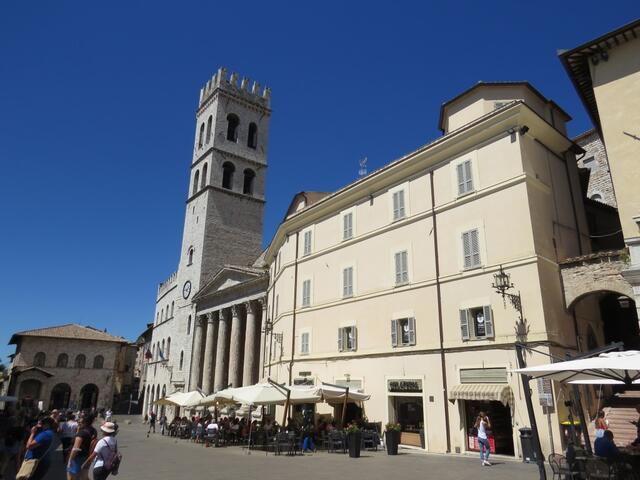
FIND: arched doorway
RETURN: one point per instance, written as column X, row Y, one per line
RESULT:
column 89, row 397
column 29, row 390
column 60, row 395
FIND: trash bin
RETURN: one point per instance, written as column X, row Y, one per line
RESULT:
column 526, row 441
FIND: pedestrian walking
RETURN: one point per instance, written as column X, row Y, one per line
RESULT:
column 163, row 423
column 67, row 432
column 105, row 453
column 108, row 415
column 152, row 422
column 482, row 425
column 83, row 444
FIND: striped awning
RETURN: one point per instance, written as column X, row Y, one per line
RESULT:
column 498, row 392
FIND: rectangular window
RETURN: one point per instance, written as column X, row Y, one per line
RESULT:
column 476, row 323
column 465, row 180
column 403, row 332
column 347, row 282
column 304, row 343
column 402, row 269
column 307, row 243
column 347, row 339
column 347, row 226
column 398, row 205
column 306, row 293
column 471, row 249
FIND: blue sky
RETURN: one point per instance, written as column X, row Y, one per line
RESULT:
column 97, row 107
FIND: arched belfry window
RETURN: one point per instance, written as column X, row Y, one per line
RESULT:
column 233, row 122
column 247, row 186
column 201, row 136
column 168, row 351
column 209, row 121
column 81, row 361
column 196, row 179
column 190, row 259
column 227, row 175
column 63, row 360
column 181, row 359
column 204, row 176
column 252, row 140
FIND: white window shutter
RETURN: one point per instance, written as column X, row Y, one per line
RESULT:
column 398, row 259
column 488, row 321
column 394, row 333
column 401, row 204
column 466, row 249
column 412, row 331
column 354, row 344
column 468, row 178
column 475, row 248
column 461, row 183
column 340, row 339
column 345, row 291
column 405, row 266
column 464, row 324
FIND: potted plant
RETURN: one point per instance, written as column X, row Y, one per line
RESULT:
column 354, row 438
column 392, row 437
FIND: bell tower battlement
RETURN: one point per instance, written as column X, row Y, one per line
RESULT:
column 231, row 84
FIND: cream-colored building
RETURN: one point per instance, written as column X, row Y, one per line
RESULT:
column 385, row 285
column 606, row 74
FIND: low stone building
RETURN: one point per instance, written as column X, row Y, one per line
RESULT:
column 70, row 366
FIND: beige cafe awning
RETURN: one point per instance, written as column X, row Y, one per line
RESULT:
column 482, row 391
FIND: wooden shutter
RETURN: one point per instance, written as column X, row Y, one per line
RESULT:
column 401, row 204
column 412, row 331
column 394, row 333
column 488, row 321
column 460, row 171
column 347, row 226
column 466, row 249
column 354, row 345
column 468, row 186
column 405, row 266
column 398, row 267
column 464, row 324
column 475, row 248
column 340, row 339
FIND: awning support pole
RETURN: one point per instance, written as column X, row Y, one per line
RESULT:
column 532, row 416
column 344, row 406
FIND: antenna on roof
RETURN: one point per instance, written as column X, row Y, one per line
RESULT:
column 363, row 168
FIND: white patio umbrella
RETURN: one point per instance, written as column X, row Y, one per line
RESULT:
column 180, row 399
column 268, row 394
column 613, row 368
column 331, row 394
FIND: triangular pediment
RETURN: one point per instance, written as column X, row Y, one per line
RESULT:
column 227, row 277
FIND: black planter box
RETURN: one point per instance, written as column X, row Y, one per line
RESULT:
column 392, row 439
column 355, row 438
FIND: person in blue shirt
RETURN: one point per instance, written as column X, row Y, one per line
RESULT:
column 40, row 440
column 605, row 448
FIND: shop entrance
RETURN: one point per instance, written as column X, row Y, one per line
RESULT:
column 501, row 433
column 410, row 416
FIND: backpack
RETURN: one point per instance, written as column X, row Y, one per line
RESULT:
column 112, row 464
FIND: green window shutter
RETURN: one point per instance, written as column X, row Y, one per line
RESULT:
column 412, row 331
column 464, row 324
column 488, row 321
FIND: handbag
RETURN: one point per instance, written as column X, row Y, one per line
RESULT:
column 27, row 469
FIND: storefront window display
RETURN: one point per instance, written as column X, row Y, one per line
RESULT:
column 407, row 406
column 501, row 433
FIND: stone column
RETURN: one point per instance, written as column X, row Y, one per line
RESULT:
column 209, row 353
column 237, row 346
column 196, row 356
column 251, row 347
column 222, row 352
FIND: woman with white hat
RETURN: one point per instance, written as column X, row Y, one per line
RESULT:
column 105, row 453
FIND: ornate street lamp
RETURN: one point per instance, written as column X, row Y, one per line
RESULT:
column 502, row 283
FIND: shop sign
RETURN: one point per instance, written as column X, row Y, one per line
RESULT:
column 545, row 392
column 404, row 386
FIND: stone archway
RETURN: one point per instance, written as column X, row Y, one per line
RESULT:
column 29, row 390
column 60, row 395
column 89, row 396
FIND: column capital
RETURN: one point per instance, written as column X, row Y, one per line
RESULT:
column 212, row 316
column 250, row 306
column 235, row 310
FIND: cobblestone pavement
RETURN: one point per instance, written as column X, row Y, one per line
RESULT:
column 165, row 458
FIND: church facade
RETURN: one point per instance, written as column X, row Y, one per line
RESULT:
column 221, row 248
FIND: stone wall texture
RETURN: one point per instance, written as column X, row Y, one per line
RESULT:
column 596, row 161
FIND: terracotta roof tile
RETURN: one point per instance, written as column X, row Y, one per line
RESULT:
column 70, row 330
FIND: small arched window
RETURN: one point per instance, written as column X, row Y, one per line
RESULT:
column 39, row 359
column 157, row 317
column 190, row 260
column 597, row 197
column 63, row 360
column 81, row 361
column 204, row 176
column 227, row 175
column 233, row 122
column 153, row 352
column 247, row 186
column 163, row 352
column 98, row 361
column 209, row 121
column 172, row 305
column 252, row 141
column 201, row 136
column 196, row 179
column 181, row 359
column 189, row 325
column 168, row 348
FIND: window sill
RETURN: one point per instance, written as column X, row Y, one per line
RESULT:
column 478, row 339
column 475, row 267
column 344, row 297
column 404, row 345
column 401, row 284
column 398, row 219
column 465, row 194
